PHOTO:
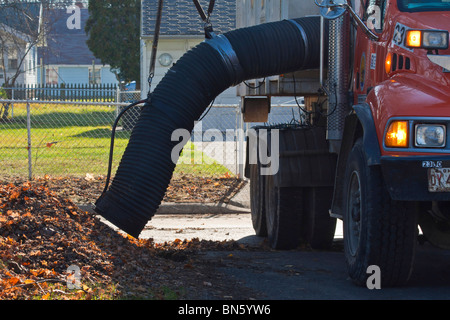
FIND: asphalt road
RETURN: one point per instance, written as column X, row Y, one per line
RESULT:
column 301, row 275
column 298, row 274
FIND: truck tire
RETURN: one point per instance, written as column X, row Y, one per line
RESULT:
column 319, row 227
column 377, row 230
column 283, row 215
column 257, row 204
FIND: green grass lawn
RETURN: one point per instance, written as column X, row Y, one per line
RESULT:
column 196, row 162
column 75, row 140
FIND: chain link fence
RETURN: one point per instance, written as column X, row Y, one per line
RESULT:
column 39, row 138
column 128, row 96
column 57, row 138
column 63, row 138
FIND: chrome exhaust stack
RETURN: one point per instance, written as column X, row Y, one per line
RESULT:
column 338, row 79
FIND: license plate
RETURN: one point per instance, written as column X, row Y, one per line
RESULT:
column 439, row 179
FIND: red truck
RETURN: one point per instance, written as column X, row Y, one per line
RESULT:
column 388, row 117
column 371, row 148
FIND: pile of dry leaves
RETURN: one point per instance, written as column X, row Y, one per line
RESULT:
column 43, row 233
column 182, row 188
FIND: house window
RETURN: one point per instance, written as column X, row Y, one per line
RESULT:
column 94, row 77
column 12, row 64
column 51, row 76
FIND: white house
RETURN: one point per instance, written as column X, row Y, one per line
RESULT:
column 181, row 30
column 19, row 24
column 12, row 48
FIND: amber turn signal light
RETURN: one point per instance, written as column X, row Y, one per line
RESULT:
column 388, row 63
column 414, row 38
column 397, row 135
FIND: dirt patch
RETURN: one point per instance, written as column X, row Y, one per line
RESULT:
column 43, row 233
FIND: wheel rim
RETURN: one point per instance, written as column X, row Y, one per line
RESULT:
column 353, row 225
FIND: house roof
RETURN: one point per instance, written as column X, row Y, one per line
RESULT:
column 67, row 46
column 21, row 16
column 181, row 18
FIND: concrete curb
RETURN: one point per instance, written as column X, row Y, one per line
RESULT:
column 191, row 208
column 240, row 203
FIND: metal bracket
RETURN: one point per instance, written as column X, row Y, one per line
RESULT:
column 221, row 44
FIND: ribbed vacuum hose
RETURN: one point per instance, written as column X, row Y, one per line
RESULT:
column 181, row 97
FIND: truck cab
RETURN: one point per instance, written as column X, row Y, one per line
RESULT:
column 371, row 146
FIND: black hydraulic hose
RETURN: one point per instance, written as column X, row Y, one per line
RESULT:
column 113, row 136
column 182, row 96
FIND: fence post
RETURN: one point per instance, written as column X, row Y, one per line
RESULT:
column 30, row 168
column 12, row 104
column 240, row 153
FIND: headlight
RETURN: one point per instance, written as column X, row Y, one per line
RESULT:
column 435, row 39
column 430, row 136
column 427, row 39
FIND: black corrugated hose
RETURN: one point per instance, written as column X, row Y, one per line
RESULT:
column 181, row 97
